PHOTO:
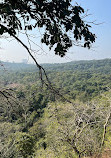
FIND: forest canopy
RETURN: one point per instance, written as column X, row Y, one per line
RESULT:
column 34, row 122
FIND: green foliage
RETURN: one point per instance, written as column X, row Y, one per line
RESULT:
column 32, row 122
column 108, row 138
column 24, row 144
column 82, row 80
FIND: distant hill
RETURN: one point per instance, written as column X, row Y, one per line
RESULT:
column 99, row 66
column 15, row 66
column 83, row 65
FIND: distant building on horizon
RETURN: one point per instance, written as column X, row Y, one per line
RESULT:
column 25, row 61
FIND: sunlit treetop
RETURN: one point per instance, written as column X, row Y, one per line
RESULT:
column 63, row 23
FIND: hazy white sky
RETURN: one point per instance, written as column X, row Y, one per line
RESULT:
column 101, row 12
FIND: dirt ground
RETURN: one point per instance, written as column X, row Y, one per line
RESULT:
column 105, row 154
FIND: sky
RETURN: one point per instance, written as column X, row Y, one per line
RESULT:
column 100, row 11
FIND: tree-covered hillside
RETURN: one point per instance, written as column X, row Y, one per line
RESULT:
column 83, row 65
column 36, row 122
column 81, row 80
